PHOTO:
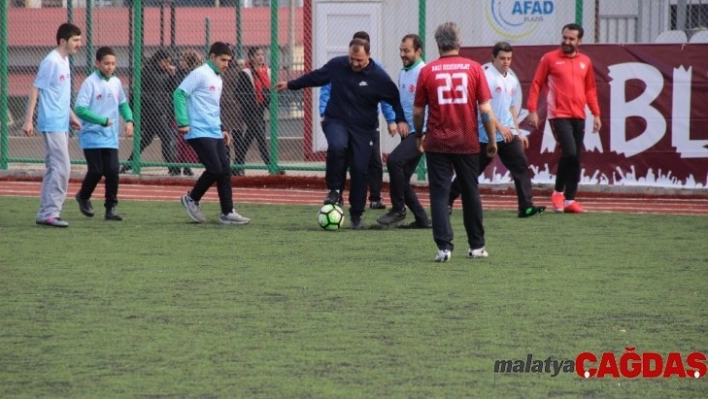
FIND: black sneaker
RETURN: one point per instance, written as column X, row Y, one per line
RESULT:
column 449, row 209
column 174, row 172
column 332, row 198
column 377, row 205
column 85, row 206
column 417, row 224
column 532, row 210
column 238, row 172
column 124, row 169
column 112, row 215
column 187, row 172
column 392, row 217
column 356, row 223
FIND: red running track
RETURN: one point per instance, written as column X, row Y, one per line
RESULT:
column 594, row 203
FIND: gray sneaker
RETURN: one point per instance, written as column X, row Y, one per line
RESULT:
column 233, row 218
column 193, row 210
column 53, row 222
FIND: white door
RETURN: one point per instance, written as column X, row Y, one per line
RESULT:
column 334, row 25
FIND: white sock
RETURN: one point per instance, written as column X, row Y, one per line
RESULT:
column 568, row 202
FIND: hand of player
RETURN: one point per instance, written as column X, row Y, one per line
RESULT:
column 533, row 119
column 506, row 133
column 491, row 149
column 392, row 129
column 108, row 122
column 281, row 86
column 129, row 129
column 227, row 138
column 75, row 124
column 403, row 129
column 183, row 130
column 419, row 143
column 596, row 125
column 524, row 141
column 28, row 128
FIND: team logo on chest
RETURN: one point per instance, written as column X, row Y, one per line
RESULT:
column 62, row 78
column 411, row 88
column 363, row 83
column 212, row 88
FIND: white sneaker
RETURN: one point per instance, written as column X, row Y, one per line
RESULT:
column 443, row 255
column 233, row 218
column 193, row 210
column 477, row 253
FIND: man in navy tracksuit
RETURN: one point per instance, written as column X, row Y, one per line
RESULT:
column 351, row 118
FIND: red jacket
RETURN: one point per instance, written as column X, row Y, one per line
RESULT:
column 571, row 85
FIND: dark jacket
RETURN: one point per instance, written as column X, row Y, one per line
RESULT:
column 355, row 96
column 231, row 117
column 156, row 96
column 246, row 95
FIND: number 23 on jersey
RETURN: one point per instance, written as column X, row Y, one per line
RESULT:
column 453, row 89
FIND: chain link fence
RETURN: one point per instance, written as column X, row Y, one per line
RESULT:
column 274, row 132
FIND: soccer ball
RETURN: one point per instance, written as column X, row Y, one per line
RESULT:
column 330, row 217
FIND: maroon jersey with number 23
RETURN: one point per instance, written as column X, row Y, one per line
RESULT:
column 451, row 87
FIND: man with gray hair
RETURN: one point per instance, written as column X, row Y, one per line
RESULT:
column 454, row 89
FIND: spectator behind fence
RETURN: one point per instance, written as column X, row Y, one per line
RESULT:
column 155, row 106
column 231, row 109
column 253, row 91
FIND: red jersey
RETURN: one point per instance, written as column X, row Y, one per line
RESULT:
column 451, row 87
column 571, row 85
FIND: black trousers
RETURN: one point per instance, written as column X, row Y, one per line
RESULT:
column 375, row 178
column 343, row 139
column 213, row 154
column 466, row 167
column 157, row 125
column 255, row 129
column 402, row 162
column 101, row 162
column 569, row 133
column 513, row 157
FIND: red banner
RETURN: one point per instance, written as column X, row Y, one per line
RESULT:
column 654, row 106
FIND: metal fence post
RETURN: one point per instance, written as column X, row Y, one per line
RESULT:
column 420, row 169
column 4, row 58
column 275, row 71
column 137, row 80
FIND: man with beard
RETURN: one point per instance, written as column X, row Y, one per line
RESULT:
column 571, row 84
column 405, row 157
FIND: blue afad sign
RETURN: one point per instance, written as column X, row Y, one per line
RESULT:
column 532, row 8
column 517, row 20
